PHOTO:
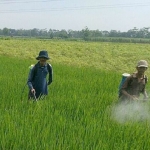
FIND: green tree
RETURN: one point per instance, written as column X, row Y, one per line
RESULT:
column 50, row 33
column 86, row 33
column 5, row 31
column 63, row 34
column 34, row 32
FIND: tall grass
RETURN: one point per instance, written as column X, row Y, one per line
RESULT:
column 75, row 115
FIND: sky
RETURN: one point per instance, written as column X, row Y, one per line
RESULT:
column 120, row 15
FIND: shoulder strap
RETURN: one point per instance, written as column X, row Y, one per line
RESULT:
column 35, row 71
column 131, row 78
column 146, row 79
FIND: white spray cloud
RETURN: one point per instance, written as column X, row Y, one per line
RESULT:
column 131, row 112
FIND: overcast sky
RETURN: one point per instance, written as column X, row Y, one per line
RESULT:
column 120, row 15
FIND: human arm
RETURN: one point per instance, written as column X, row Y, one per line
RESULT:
column 125, row 90
column 144, row 89
column 50, row 69
column 145, row 95
column 30, row 80
column 131, row 97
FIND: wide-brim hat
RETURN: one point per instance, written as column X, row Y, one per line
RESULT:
column 142, row 63
column 43, row 54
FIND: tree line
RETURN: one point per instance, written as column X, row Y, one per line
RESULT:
column 85, row 34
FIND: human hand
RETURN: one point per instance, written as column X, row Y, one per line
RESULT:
column 33, row 91
column 133, row 97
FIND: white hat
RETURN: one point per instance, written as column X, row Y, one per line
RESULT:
column 142, row 63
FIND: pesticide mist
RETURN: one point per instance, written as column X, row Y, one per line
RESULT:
column 131, row 112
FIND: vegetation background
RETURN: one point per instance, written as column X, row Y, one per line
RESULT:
column 81, row 110
column 134, row 35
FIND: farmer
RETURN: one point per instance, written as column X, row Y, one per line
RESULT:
column 135, row 83
column 37, row 81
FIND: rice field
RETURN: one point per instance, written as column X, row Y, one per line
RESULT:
column 81, row 111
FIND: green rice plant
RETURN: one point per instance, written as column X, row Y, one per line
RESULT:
column 75, row 115
column 78, row 112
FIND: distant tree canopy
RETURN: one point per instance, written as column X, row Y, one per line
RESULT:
column 85, row 34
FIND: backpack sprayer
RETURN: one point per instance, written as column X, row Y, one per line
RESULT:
column 124, row 76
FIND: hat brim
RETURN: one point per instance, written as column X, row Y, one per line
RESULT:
column 42, row 57
column 142, row 66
